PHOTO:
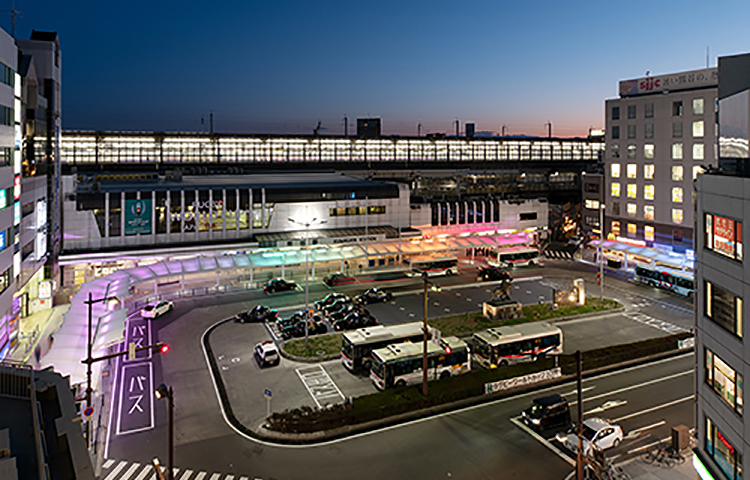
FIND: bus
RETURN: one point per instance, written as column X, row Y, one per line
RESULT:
column 678, row 281
column 433, row 266
column 523, row 256
column 357, row 346
column 502, row 346
column 400, row 365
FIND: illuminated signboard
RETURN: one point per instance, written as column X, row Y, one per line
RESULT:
column 137, row 217
column 41, row 213
column 724, row 236
column 707, row 77
column 3, row 244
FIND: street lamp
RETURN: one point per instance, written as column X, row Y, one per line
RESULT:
column 307, row 226
column 601, row 252
column 435, row 288
column 166, row 392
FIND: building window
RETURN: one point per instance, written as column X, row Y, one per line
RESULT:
column 648, row 192
column 648, row 233
column 615, row 132
column 697, row 169
column 631, row 131
column 648, row 151
column 615, row 189
column 615, row 113
column 615, row 169
column 677, row 194
column 723, row 308
column 615, row 227
column 698, row 151
column 632, row 170
column 340, row 212
column 632, row 209
column 648, row 212
column 698, row 129
column 648, row 131
column 723, row 453
column 677, row 108
column 676, row 151
column 616, row 208
column 724, row 380
column 677, row 173
column 632, row 230
column 649, row 107
column 527, row 216
column 677, row 130
column 632, row 190
column 677, row 216
column 676, row 237
column 631, row 112
column 648, row 171
column 697, row 106
column 632, row 149
column 723, row 236
column 615, row 151
column 591, row 204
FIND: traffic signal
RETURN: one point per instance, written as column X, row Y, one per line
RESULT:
column 160, row 348
column 164, row 348
column 598, row 278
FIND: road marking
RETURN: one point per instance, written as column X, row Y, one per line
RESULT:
column 319, row 384
column 108, row 463
column 229, row 477
column 607, row 406
column 146, row 470
column 411, row 314
column 116, row 471
column 131, row 471
column 200, row 476
column 186, row 474
column 635, row 432
column 458, row 294
column 658, row 407
column 215, row 476
column 574, row 392
column 653, row 444
column 633, row 387
column 543, row 441
column 401, row 308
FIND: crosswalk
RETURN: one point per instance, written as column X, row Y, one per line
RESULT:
column 662, row 325
column 558, row 254
column 124, row 470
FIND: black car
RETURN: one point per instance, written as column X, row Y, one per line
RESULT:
column 278, row 285
column 338, row 278
column 493, row 273
column 314, row 327
column 373, row 295
column 297, row 317
column 343, row 312
column 259, row 313
column 356, row 319
column 329, row 299
column 552, row 411
column 339, row 304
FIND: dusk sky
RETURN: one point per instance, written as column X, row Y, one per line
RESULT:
column 282, row 66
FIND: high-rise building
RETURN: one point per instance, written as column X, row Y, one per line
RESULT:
column 721, row 280
column 661, row 132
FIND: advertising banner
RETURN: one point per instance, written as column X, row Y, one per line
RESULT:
column 724, row 239
column 137, row 217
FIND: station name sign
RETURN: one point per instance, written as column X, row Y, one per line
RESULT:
column 707, row 77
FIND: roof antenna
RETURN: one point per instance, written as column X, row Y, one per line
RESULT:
column 706, row 56
column 13, row 14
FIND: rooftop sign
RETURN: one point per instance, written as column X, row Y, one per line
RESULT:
column 707, row 77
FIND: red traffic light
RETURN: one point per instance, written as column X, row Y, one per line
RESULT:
column 164, row 348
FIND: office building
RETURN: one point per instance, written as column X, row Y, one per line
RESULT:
column 661, row 132
column 721, row 280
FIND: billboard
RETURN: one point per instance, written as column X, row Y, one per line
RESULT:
column 137, row 217
column 726, row 236
column 707, row 77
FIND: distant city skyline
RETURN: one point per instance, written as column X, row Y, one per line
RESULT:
column 281, row 67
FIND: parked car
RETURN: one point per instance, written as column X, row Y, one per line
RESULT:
column 338, row 278
column 266, row 354
column 488, row 274
column 156, row 309
column 259, row 313
column 597, row 432
column 297, row 317
column 373, row 295
column 343, row 312
column 337, row 305
column 278, row 285
column 297, row 329
column 356, row 319
column 552, row 411
column 329, row 299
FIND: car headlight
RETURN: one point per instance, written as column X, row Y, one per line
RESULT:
column 561, row 437
column 535, row 421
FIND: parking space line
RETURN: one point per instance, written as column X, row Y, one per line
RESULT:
column 318, row 383
column 543, row 441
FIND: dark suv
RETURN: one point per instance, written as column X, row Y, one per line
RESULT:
column 547, row 412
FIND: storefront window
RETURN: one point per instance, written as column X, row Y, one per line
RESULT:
column 724, row 380
column 724, row 454
column 724, row 308
column 160, row 211
column 244, row 214
column 723, row 236
column 202, row 213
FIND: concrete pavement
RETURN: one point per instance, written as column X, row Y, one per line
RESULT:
column 640, row 470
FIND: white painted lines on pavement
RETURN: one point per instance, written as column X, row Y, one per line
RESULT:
column 670, row 328
column 635, row 432
column 319, row 385
column 186, row 474
column 147, row 472
column 658, row 407
column 607, row 406
column 575, row 392
column 108, row 463
column 116, row 471
column 543, row 440
column 200, row 476
column 130, row 471
column 652, row 444
column 633, row 387
column 216, row 476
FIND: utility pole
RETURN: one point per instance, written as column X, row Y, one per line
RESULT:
column 419, row 129
column 504, row 127
column 549, row 129
column 346, row 126
column 457, row 127
column 211, row 120
column 15, row 13
column 579, row 381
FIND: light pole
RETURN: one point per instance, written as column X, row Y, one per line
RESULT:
column 436, row 288
column 601, row 252
column 166, row 392
column 307, row 226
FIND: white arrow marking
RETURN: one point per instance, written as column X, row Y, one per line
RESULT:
column 607, row 406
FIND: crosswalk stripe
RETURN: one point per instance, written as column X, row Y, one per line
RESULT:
column 215, row 476
column 131, row 470
column 116, row 471
column 244, row 478
column 229, row 477
column 186, row 474
column 108, row 463
column 146, row 470
column 200, row 476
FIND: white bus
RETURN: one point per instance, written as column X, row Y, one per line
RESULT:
column 434, row 266
column 501, row 346
column 357, row 346
column 523, row 256
column 399, row 365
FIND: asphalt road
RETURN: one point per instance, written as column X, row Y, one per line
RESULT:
column 455, row 444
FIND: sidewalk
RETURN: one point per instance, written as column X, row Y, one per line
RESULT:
column 37, row 334
column 640, row 470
